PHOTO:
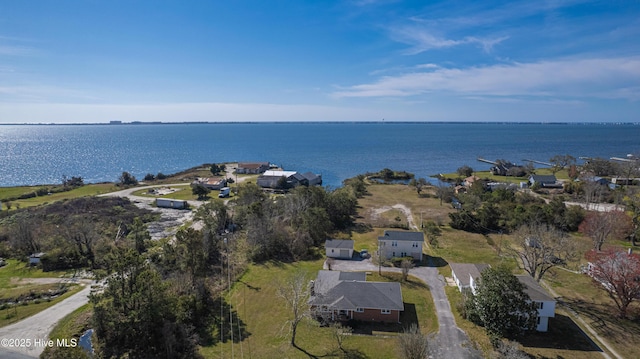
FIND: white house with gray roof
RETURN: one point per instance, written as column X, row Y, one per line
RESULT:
column 337, row 248
column 466, row 275
column 341, row 296
column 545, row 304
column 401, row 244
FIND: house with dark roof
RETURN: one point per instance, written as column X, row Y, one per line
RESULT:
column 544, row 181
column 252, row 167
column 272, row 178
column 342, row 296
column 337, row 248
column 545, row 304
column 401, row 244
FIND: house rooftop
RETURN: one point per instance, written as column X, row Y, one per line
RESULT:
column 328, row 279
column 533, row 289
column 544, row 178
column 350, row 290
column 339, row 243
column 252, row 165
column 465, row 271
column 272, row 173
column 402, row 236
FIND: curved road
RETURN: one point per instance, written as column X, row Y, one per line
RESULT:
column 38, row 326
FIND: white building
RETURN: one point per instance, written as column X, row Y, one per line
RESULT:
column 336, row 248
column 401, row 244
column 466, row 275
column 172, row 203
column 545, row 304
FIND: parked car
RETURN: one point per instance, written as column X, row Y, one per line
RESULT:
column 364, row 254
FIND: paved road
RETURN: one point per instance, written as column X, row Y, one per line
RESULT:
column 38, row 326
column 450, row 341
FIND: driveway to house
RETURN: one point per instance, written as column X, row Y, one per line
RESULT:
column 450, row 341
column 35, row 329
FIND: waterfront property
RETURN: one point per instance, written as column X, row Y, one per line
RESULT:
column 401, row 244
column 252, row 167
column 287, row 179
column 548, row 181
column 336, row 248
column 342, row 296
column 212, row 183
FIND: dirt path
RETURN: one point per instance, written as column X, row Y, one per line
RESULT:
column 402, row 208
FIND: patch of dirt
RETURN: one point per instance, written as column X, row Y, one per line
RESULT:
column 376, row 212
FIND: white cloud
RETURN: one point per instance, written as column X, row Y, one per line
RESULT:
column 602, row 78
column 13, row 50
column 422, row 40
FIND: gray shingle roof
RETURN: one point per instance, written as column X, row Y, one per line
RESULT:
column 533, row 289
column 402, row 236
column 465, row 271
column 349, row 291
column 339, row 243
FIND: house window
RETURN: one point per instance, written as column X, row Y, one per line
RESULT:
column 393, row 254
column 332, row 251
column 385, row 311
column 394, row 244
column 359, row 310
column 538, row 320
column 415, row 245
column 540, row 305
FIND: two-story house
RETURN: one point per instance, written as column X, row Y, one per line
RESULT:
column 466, row 275
column 401, row 244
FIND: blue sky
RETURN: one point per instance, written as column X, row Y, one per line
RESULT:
column 361, row 60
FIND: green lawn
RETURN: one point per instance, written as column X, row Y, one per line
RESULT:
column 13, row 314
column 70, row 327
column 258, row 307
column 86, row 190
column 11, row 287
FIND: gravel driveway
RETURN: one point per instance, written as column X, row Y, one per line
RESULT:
column 450, row 341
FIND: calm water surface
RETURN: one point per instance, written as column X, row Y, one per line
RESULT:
column 32, row 155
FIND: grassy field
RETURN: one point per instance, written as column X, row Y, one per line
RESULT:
column 14, row 283
column 565, row 338
column 259, row 308
column 70, row 327
column 13, row 314
column 87, row 190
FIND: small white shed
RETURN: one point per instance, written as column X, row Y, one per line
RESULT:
column 339, row 248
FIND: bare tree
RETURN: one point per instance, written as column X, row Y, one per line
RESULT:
column 406, row 265
column 84, row 235
column 617, row 273
column 295, row 292
column 540, row 248
column 24, row 238
column 601, row 226
column 340, row 333
column 413, row 344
